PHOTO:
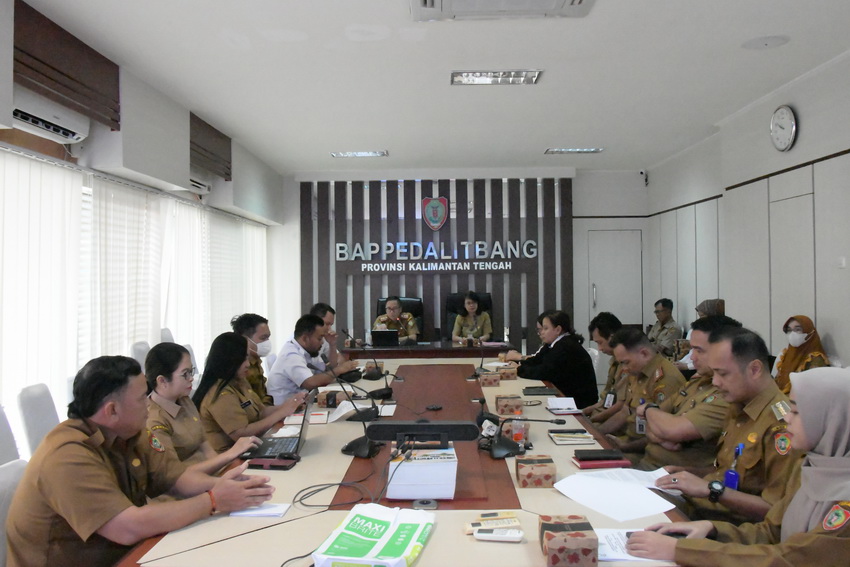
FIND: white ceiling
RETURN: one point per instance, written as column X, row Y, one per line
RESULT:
column 293, row 80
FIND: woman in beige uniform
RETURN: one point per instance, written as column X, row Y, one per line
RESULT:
column 811, row 525
column 228, row 406
column 172, row 416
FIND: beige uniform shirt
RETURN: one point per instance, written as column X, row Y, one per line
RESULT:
column 235, row 407
column 766, row 464
column 406, row 324
column 257, row 379
column 657, row 383
column 178, row 427
column 664, row 336
column 699, row 403
column 75, row 483
column 758, row 545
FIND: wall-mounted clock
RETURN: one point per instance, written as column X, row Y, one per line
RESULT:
column 783, row 128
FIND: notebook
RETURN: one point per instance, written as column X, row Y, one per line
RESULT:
column 281, row 452
column 385, row 338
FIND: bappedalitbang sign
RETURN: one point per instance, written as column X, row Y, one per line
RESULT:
column 436, row 257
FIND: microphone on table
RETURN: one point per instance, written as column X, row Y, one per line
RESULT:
column 485, row 415
column 502, row 447
column 367, row 414
column 481, row 370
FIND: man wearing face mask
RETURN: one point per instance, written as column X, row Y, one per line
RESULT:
column 256, row 329
column 299, row 365
column 804, row 351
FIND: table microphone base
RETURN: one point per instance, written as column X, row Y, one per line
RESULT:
column 367, row 414
column 362, row 447
column 503, row 447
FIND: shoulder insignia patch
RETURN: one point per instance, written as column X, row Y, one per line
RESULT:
column 164, row 428
column 836, row 518
column 782, row 442
column 154, row 443
column 709, row 399
column 780, row 427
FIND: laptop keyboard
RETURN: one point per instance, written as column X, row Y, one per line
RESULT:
column 274, row 446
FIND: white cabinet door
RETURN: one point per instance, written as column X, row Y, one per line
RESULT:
column 615, row 274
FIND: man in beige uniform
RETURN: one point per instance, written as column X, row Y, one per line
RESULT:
column 687, row 436
column 653, row 379
column 611, row 399
column 82, row 498
column 395, row 320
column 665, row 331
column 739, row 359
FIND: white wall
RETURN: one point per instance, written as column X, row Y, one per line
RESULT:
column 284, row 264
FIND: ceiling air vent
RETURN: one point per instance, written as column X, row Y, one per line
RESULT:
column 429, row 10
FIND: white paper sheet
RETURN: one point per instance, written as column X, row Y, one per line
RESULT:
column 265, row 509
column 287, row 431
column 622, row 501
column 640, row 478
column 315, row 417
column 612, row 545
column 495, row 365
column 345, row 408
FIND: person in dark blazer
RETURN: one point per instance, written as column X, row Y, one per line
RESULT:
column 561, row 360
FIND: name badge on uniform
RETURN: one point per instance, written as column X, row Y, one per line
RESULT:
column 610, row 398
column 245, row 404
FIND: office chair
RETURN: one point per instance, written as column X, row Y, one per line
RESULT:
column 8, row 447
column 10, row 476
column 455, row 307
column 165, row 335
column 139, row 351
column 38, row 413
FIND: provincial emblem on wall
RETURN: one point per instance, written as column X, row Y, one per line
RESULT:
column 435, row 211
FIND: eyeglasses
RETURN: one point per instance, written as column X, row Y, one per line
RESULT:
column 189, row 373
column 398, row 308
column 657, row 311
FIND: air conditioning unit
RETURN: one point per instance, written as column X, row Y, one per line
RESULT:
column 200, row 181
column 41, row 116
column 429, row 10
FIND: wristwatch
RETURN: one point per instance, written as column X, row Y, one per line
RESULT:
column 715, row 490
column 648, row 407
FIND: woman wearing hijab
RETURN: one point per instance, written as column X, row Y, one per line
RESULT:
column 811, row 525
column 804, row 351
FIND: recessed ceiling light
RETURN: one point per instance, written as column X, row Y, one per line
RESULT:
column 766, row 42
column 379, row 153
column 554, row 151
column 517, row 77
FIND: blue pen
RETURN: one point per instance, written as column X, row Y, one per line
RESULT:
column 732, row 478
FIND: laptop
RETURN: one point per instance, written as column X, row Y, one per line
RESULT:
column 282, row 453
column 385, row 338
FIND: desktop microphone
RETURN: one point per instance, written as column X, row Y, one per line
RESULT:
column 485, row 415
column 502, row 447
column 367, row 414
column 362, row 447
column 481, row 370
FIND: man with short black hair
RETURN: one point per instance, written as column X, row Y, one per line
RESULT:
column 83, row 497
column 299, row 366
column 739, row 359
column 611, row 399
column 665, row 332
column 256, row 329
column 328, row 352
column 687, row 435
column 652, row 379
column 395, row 319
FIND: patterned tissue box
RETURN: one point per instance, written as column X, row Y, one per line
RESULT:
column 509, row 405
column 491, row 379
column 328, row 399
column 510, row 427
column 508, row 373
column 568, row 540
column 535, row 471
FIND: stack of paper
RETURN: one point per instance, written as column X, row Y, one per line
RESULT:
column 562, row 406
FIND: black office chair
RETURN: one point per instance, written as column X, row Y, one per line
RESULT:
column 455, row 307
column 412, row 305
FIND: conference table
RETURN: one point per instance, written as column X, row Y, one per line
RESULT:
column 434, row 349
column 482, row 484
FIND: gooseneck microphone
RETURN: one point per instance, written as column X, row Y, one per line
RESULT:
column 502, row 447
column 485, row 415
column 362, row 446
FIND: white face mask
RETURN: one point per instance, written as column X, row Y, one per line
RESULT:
column 264, row 348
column 796, row 338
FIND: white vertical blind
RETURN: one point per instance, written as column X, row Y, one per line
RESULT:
column 39, row 236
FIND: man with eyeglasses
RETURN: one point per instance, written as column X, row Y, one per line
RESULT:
column 256, row 329
column 394, row 319
column 665, row 332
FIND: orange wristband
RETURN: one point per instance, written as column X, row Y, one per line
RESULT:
column 212, row 501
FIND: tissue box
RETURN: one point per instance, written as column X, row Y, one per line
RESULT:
column 371, row 364
column 568, row 540
column 535, row 471
column 508, row 373
column 508, row 405
column 328, row 399
column 489, row 379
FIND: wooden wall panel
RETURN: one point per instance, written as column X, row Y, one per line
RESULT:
column 511, row 216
